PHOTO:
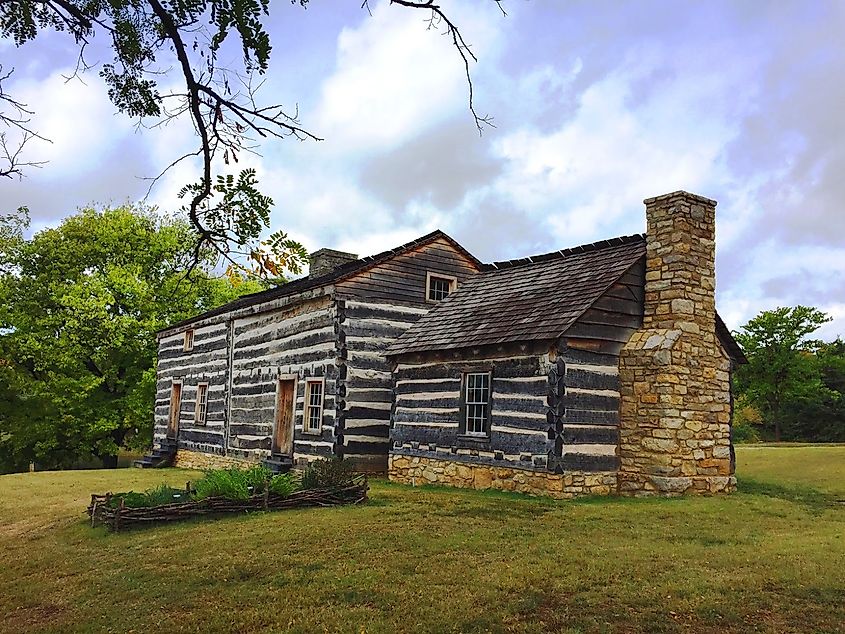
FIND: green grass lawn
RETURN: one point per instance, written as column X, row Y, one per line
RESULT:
column 770, row 558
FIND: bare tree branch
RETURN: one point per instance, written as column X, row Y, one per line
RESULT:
column 439, row 17
column 15, row 116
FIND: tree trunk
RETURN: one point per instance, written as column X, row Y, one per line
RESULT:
column 777, row 430
column 109, row 462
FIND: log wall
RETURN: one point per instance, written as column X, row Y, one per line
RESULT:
column 205, row 363
column 554, row 405
column 376, row 307
column 297, row 341
column 585, row 413
column 338, row 332
column 426, row 418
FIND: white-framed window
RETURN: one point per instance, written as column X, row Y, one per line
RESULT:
column 477, row 403
column 201, row 408
column 312, row 422
column 438, row 286
column 188, row 341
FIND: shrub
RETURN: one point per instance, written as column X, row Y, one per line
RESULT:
column 745, row 432
column 162, row 494
column 232, row 483
column 284, row 484
column 328, row 474
column 747, row 423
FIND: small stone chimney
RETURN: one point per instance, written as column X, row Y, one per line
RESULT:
column 326, row 260
column 674, row 374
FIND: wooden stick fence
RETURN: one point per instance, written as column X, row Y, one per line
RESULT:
column 102, row 512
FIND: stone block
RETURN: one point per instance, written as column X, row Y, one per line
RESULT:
column 671, row 485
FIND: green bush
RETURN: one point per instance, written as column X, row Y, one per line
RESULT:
column 233, row 483
column 747, row 422
column 162, row 494
column 284, row 484
column 744, row 431
column 328, row 474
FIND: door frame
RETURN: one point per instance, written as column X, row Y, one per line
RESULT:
column 282, row 420
column 174, row 413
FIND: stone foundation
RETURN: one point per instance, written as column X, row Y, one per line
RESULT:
column 186, row 459
column 418, row 470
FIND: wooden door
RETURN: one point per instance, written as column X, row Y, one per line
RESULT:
column 283, row 428
column 175, row 408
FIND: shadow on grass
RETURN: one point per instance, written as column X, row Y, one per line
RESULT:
column 813, row 499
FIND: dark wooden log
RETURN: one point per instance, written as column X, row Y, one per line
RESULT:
column 582, row 355
column 369, row 363
column 357, row 412
column 599, row 435
column 578, row 400
column 591, row 417
column 450, row 385
column 402, row 415
column 537, row 387
column 378, row 431
column 585, row 379
column 588, row 462
column 508, row 368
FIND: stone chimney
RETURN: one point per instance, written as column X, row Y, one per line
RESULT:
column 681, row 262
column 674, row 374
column 326, row 260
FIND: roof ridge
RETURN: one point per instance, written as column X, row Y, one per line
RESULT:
column 337, row 274
column 562, row 253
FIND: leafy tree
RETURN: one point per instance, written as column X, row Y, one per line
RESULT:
column 79, row 309
column 151, row 37
column 819, row 415
column 782, row 367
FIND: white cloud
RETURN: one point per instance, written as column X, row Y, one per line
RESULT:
column 395, row 77
column 623, row 144
column 77, row 117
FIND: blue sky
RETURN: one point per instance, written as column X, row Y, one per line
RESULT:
column 597, row 105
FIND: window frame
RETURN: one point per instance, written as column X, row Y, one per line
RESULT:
column 465, row 403
column 453, row 285
column 307, row 406
column 201, row 404
column 188, row 340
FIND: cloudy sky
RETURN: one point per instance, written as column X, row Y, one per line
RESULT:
column 597, row 105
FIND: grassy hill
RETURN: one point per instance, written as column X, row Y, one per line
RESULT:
column 770, row 558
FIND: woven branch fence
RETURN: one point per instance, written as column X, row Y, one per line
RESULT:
column 120, row 517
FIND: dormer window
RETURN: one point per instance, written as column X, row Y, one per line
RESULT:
column 439, row 286
column 188, row 342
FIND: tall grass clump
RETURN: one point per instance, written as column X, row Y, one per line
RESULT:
column 232, row 483
column 285, row 483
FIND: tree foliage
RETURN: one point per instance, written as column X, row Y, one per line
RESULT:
column 151, row 38
column 794, row 383
column 79, row 309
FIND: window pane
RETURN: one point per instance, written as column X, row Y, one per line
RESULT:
column 202, row 403
column 438, row 287
column 477, row 402
column 314, row 406
column 313, row 418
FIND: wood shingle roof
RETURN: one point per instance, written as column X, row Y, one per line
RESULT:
column 528, row 299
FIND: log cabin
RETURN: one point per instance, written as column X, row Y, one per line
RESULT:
column 593, row 370
column 597, row 369
column 298, row 372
